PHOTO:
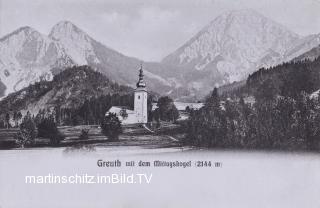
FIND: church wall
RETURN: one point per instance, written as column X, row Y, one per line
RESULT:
column 140, row 106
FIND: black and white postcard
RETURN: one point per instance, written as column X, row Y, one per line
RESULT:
column 159, row 103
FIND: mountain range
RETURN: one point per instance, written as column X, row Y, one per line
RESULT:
column 27, row 56
column 228, row 49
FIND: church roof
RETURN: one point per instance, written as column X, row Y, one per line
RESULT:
column 117, row 109
column 141, row 82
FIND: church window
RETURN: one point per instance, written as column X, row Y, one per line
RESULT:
column 139, row 97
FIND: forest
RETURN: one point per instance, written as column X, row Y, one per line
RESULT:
column 284, row 115
column 78, row 95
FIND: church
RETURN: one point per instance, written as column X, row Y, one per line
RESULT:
column 139, row 115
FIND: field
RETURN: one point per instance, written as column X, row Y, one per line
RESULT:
column 7, row 138
column 133, row 135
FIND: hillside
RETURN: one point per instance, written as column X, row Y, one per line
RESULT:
column 68, row 89
column 310, row 55
column 288, row 79
column 302, row 46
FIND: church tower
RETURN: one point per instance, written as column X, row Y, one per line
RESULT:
column 141, row 99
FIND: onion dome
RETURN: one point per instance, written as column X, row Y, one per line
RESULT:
column 141, row 82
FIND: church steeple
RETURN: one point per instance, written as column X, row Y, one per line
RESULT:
column 141, row 99
column 141, row 82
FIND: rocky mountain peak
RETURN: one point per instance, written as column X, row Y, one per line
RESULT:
column 75, row 41
column 230, row 47
column 66, row 30
column 21, row 33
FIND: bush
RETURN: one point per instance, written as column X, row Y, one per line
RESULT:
column 27, row 132
column 123, row 113
column 47, row 128
column 111, row 126
column 84, row 134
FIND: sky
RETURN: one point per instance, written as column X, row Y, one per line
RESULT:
column 149, row 29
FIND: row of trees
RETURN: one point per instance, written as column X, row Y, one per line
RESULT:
column 5, row 120
column 272, row 122
column 91, row 112
column 41, row 126
column 44, row 126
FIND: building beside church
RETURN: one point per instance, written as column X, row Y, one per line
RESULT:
column 140, row 112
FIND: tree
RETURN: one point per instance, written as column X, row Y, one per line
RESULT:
column 57, row 113
column 27, row 132
column 19, row 117
column 15, row 118
column 167, row 110
column 213, row 101
column 111, row 126
column 47, row 128
column 156, row 117
column 7, row 119
column 208, row 126
column 149, row 107
column 2, row 122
